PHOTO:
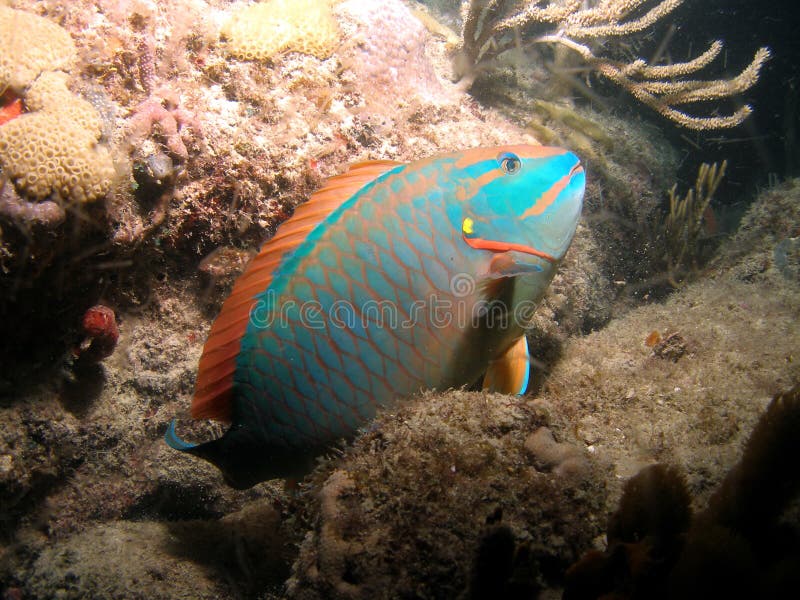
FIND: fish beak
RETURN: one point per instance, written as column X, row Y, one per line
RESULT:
column 555, row 231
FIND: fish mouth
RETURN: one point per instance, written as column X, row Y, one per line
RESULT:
column 496, row 246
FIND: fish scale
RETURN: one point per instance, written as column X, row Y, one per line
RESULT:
column 395, row 346
column 364, row 306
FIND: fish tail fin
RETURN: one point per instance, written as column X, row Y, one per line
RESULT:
column 243, row 457
column 228, row 453
column 174, row 441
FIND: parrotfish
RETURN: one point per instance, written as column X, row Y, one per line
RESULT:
column 392, row 279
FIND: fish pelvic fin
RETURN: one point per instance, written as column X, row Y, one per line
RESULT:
column 509, row 373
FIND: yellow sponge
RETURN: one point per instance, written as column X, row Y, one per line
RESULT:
column 31, row 44
column 259, row 31
column 53, row 150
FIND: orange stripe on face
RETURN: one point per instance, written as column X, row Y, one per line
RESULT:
column 470, row 157
column 544, row 201
column 481, row 244
column 471, row 187
column 488, row 177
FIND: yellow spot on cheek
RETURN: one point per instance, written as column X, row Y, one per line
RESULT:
column 468, row 226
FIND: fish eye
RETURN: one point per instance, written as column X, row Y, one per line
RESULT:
column 510, row 163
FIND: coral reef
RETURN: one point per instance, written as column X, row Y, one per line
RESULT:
column 487, row 32
column 411, row 503
column 47, row 213
column 52, row 150
column 53, row 167
column 261, row 30
column 393, row 66
column 732, row 548
column 89, row 563
column 723, row 347
column 772, row 220
column 458, row 492
column 163, row 113
column 31, row 45
column 685, row 218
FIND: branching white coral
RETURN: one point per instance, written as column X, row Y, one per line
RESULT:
column 495, row 26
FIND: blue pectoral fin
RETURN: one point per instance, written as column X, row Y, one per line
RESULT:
column 510, row 372
column 505, row 265
column 174, row 442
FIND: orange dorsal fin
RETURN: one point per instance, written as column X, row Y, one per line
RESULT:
column 213, row 392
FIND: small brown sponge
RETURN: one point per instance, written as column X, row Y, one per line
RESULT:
column 31, row 44
column 259, row 31
column 53, row 149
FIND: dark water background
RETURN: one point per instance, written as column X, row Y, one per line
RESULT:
column 766, row 148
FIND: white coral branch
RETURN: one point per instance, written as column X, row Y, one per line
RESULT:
column 576, row 25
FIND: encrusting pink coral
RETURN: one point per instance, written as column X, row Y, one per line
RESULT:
column 163, row 110
column 146, row 60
